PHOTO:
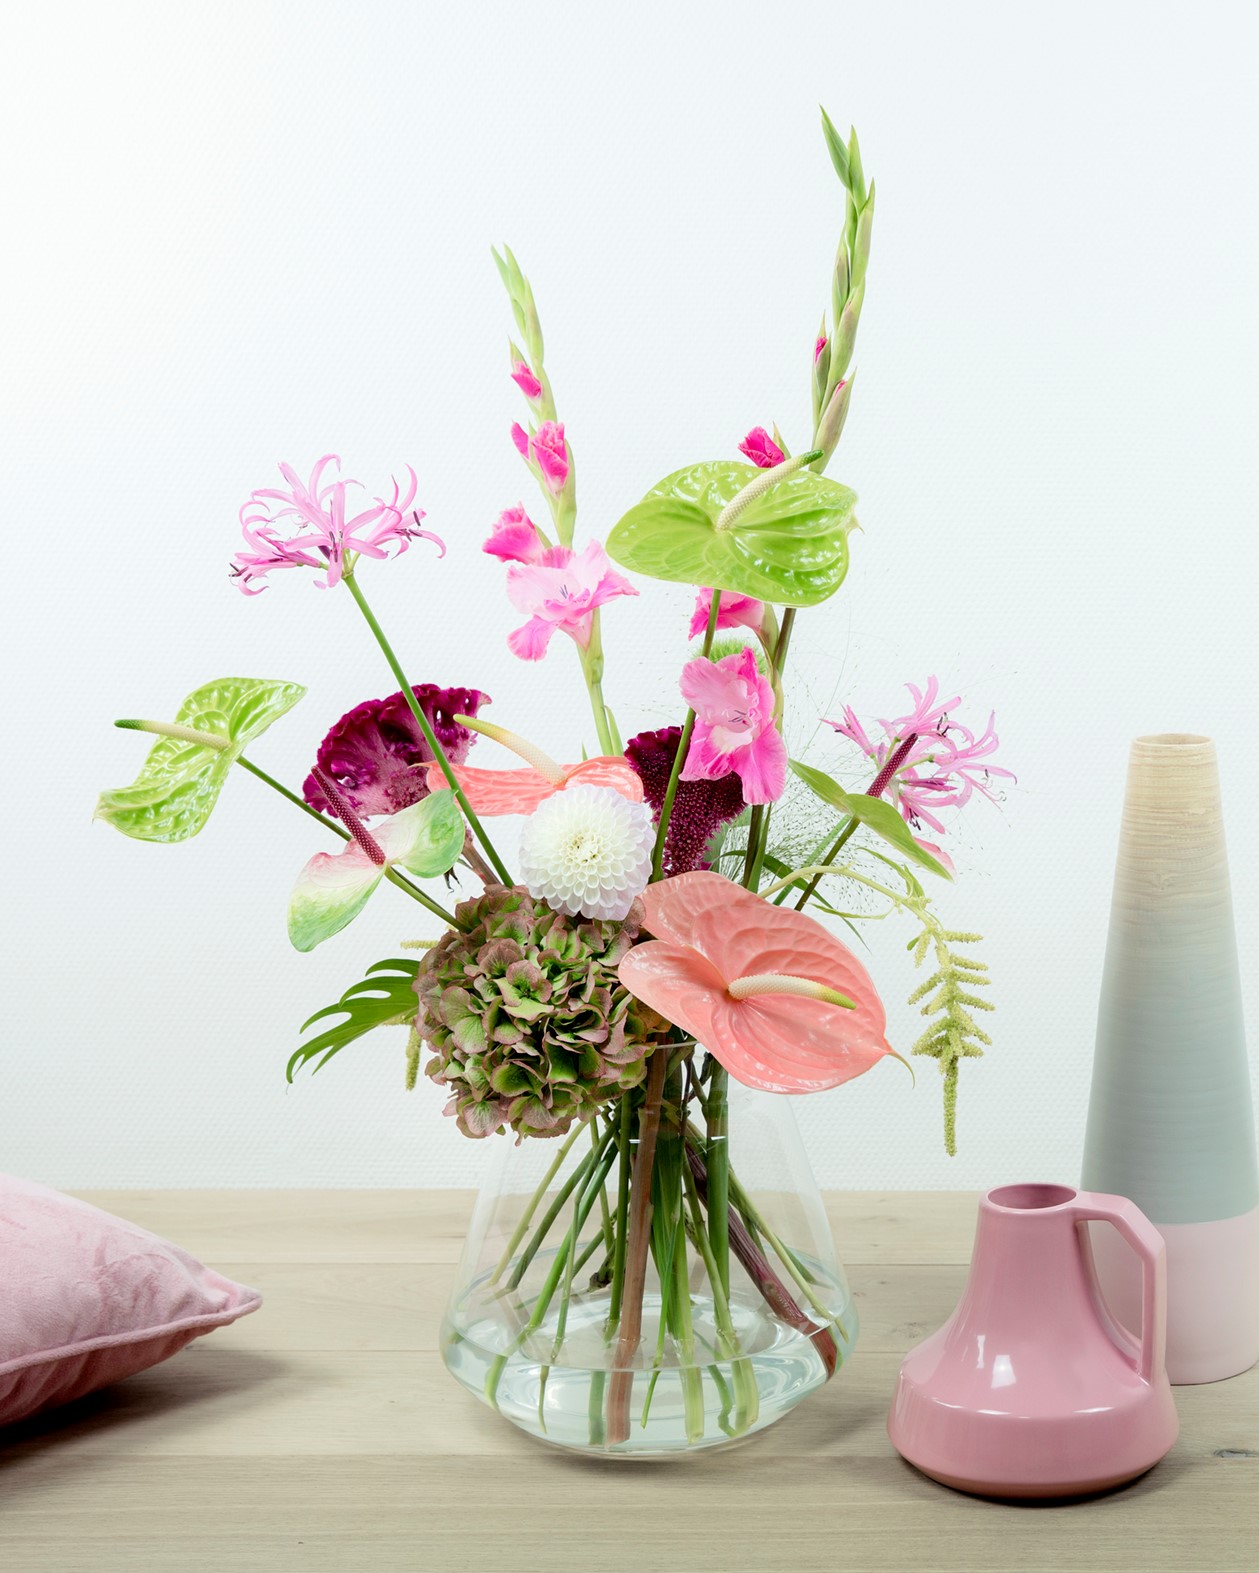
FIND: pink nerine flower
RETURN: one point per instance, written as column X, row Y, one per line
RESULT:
column 761, row 449
column 943, row 765
column 546, row 450
column 310, row 530
column 735, row 611
column 525, row 380
column 515, row 538
column 563, row 590
column 734, row 726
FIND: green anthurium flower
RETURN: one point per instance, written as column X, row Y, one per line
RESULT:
column 777, row 535
column 179, row 784
column 334, row 887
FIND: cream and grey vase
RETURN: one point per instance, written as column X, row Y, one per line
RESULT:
column 1170, row 1121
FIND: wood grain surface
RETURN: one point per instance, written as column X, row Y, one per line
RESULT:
column 323, row 1434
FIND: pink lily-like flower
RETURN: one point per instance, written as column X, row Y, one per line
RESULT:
column 944, row 765
column 819, row 347
column 761, row 449
column 735, row 611
column 492, row 792
column 770, row 993
column 562, row 591
column 546, row 450
column 524, row 379
column 310, row 530
column 734, row 726
column 515, row 538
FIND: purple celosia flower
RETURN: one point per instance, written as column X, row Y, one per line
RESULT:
column 761, row 449
column 700, row 807
column 309, row 528
column 376, row 753
column 943, row 766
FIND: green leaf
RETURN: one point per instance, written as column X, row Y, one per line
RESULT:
column 171, row 799
column 386, row 997
column 872, row 812
column 789, row 545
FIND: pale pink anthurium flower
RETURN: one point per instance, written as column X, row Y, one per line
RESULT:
column 524, row 379
column 735, row 611
column 759, row 447
column 515, row 538
column 306, row 527
column 561, row 590
column 770, row 993
column 734, row 726
column 546, row 450
column 492, row 792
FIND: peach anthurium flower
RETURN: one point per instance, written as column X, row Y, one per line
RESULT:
column 770, row 993
column 492, row 792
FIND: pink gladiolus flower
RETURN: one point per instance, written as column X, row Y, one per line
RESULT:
column 310, row 530
column 748, row 981
column 734, row 726
column 525, row 380
column 818, row 348
column 761, row 449
column 515, row 538
column 943, row 767
column 492, row 792
column 546, row 450
column 735, row 611
column 562, row 590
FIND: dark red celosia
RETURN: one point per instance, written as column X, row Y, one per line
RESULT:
column 376, row 752
column 700, row 808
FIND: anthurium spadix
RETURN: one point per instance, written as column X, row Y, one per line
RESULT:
column 777, row 534
column 180, row 781
column 334, row 887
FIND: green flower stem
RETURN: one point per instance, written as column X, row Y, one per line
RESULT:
column 621, row 1237
column 717, row 1156
column 679, row 759
column 803, row 1280
column 592, row 671
column 605, row 1212
column 630, row 1332
column 684, row 1332
column 391, row 874
column 747, row 1395
column 430, row 737
column 836, row 847
column 526, row 1218
column 576, row 1178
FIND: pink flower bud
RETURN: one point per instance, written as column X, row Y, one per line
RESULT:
column 761, row 449
column 515, row 538
column 817, row 348
column 525, row 380
column 546, row 450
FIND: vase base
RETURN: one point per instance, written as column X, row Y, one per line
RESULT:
column 671, row 1410
column 1033, row 1491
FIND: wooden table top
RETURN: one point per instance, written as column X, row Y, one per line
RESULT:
column 323, row 1433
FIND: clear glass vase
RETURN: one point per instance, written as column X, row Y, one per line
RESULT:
column 607, row 1302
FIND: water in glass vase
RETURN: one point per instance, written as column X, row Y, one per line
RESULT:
column 612, row 1307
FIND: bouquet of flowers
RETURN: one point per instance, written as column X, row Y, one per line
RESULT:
column 602, row 986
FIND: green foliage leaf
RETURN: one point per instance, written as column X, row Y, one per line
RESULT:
column 872, row 812
column 426, row 838
column 790, row 545
column 385, row 997
column 178, row 786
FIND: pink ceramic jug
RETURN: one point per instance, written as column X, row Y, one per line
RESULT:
column 1031, row 1388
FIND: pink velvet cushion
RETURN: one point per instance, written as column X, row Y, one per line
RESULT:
column 87, row 1299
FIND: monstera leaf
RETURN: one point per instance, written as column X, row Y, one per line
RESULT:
column 171, row 798
column 872, row 812
column 788, row 545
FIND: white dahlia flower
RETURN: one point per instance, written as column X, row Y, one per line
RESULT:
column 587, row 851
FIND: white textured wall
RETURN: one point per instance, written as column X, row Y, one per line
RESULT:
column 237, row 233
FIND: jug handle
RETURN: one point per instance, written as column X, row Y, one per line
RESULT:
column 1148, row 1243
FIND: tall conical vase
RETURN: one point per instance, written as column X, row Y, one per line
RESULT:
column 1170, row 1121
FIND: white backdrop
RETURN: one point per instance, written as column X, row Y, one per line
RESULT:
column 240, row 233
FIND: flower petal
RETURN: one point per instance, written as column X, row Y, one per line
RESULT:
column 426, row 838
column 330, row 892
